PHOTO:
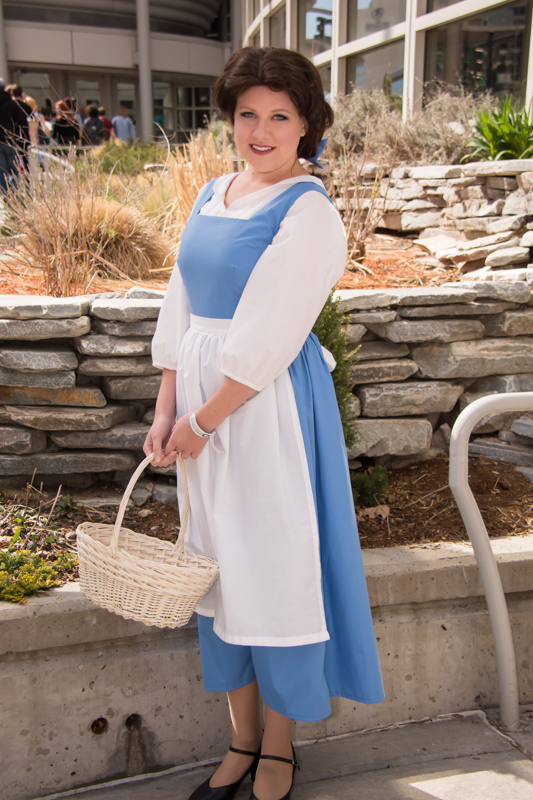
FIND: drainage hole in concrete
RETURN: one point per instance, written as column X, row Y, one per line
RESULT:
column 99, row 725
column 133, row 722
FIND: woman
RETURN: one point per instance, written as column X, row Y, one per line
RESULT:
column 65, row 129
column 288, row 620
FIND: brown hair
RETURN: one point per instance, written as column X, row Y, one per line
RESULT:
column 282, row 71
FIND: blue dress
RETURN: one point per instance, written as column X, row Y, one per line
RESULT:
column 336, row 653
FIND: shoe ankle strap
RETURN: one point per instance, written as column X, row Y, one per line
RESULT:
column 280, row 758
column 243, row 752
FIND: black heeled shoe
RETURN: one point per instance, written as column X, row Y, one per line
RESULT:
column 228, row 792
column 295, row 766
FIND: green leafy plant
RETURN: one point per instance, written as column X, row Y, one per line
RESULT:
column 23, row 573
column 503, row 132
column 329, row 329
column 368, row 487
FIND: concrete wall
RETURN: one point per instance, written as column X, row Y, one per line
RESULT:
column 69, row 669
column 28, row 43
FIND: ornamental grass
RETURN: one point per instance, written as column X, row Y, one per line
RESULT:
column 68, row 221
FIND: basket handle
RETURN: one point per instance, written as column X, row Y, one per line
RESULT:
column 184, row 513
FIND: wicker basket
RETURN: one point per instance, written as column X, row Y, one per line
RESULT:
column 140, row 577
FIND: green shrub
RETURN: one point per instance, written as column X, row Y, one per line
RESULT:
column 129, row 158
column 503, row 132
column 331, row 334
column 368, row 487
column 23, row 574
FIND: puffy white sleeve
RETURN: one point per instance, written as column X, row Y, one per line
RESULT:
column 172, row 324
column 285, row 292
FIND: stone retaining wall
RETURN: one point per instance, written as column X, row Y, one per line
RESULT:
column 77, row 385
column 475, row 216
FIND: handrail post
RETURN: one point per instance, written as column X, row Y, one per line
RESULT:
column 488, row 568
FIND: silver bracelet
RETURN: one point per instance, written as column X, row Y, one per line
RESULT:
column 196, row 428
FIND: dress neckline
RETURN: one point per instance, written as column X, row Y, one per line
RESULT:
column 221, row 186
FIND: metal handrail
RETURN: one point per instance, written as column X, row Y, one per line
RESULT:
column 488, row 568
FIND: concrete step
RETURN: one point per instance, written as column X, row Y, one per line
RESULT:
column 457, row 757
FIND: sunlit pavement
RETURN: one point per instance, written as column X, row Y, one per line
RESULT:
column 460, row 757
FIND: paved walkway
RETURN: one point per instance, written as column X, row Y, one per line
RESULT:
column 461, row 757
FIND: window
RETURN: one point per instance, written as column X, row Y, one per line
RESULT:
column 488, row 51
column 195, row 108
column 87, row 94
column 314, row 26
column 369, row 16
column 325, row 74
column 380, row 68
column 277, row 25
column 163, row 112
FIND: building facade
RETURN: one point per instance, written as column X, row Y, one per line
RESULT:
column 160, row 58
column 400, row 46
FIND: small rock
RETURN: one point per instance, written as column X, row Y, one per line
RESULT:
column 137, row 293
column 145, row 388
column 164, row 493
column 507, row 255
column 101, row 345
column 383, row 371
column 35, row 329
column 81, row 396
column 126, row 310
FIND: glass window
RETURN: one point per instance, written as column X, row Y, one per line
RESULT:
column 87, row 94
column 368, row 16
column 277, row 25
column 126, row 95
column 325, row 74
column 39, row 86
column 314, row 26
column 434, row 5
column 380, row 68
column 183, row 96
column 201, row 118
column 163, row 112
column 194, row 110
column 488, row 51
column 202, row 97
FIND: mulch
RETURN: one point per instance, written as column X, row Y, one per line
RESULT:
column 417, row 507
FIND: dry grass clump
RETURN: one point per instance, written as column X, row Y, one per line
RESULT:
column 66, row 222
column 439, row 134
column 191, row 168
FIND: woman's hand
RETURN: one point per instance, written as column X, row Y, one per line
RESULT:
column 184, row 441
column 157, row 439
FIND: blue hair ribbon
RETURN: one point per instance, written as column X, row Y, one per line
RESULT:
column 320, row 149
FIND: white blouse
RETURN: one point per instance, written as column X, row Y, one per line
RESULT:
column 284, row 294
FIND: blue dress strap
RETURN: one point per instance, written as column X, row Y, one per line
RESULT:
column 204, row 196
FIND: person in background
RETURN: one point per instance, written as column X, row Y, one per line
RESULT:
column 94, row 129
column 13, row 134
column 17, row 93
column 123, row 125
column 109, row 130
column 65, row 129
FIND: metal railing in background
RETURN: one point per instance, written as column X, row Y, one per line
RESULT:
column 488, row 568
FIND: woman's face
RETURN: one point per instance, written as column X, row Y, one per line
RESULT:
column 268, row 129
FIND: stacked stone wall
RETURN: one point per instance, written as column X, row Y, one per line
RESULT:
column 478, row 217
column 78, row 389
